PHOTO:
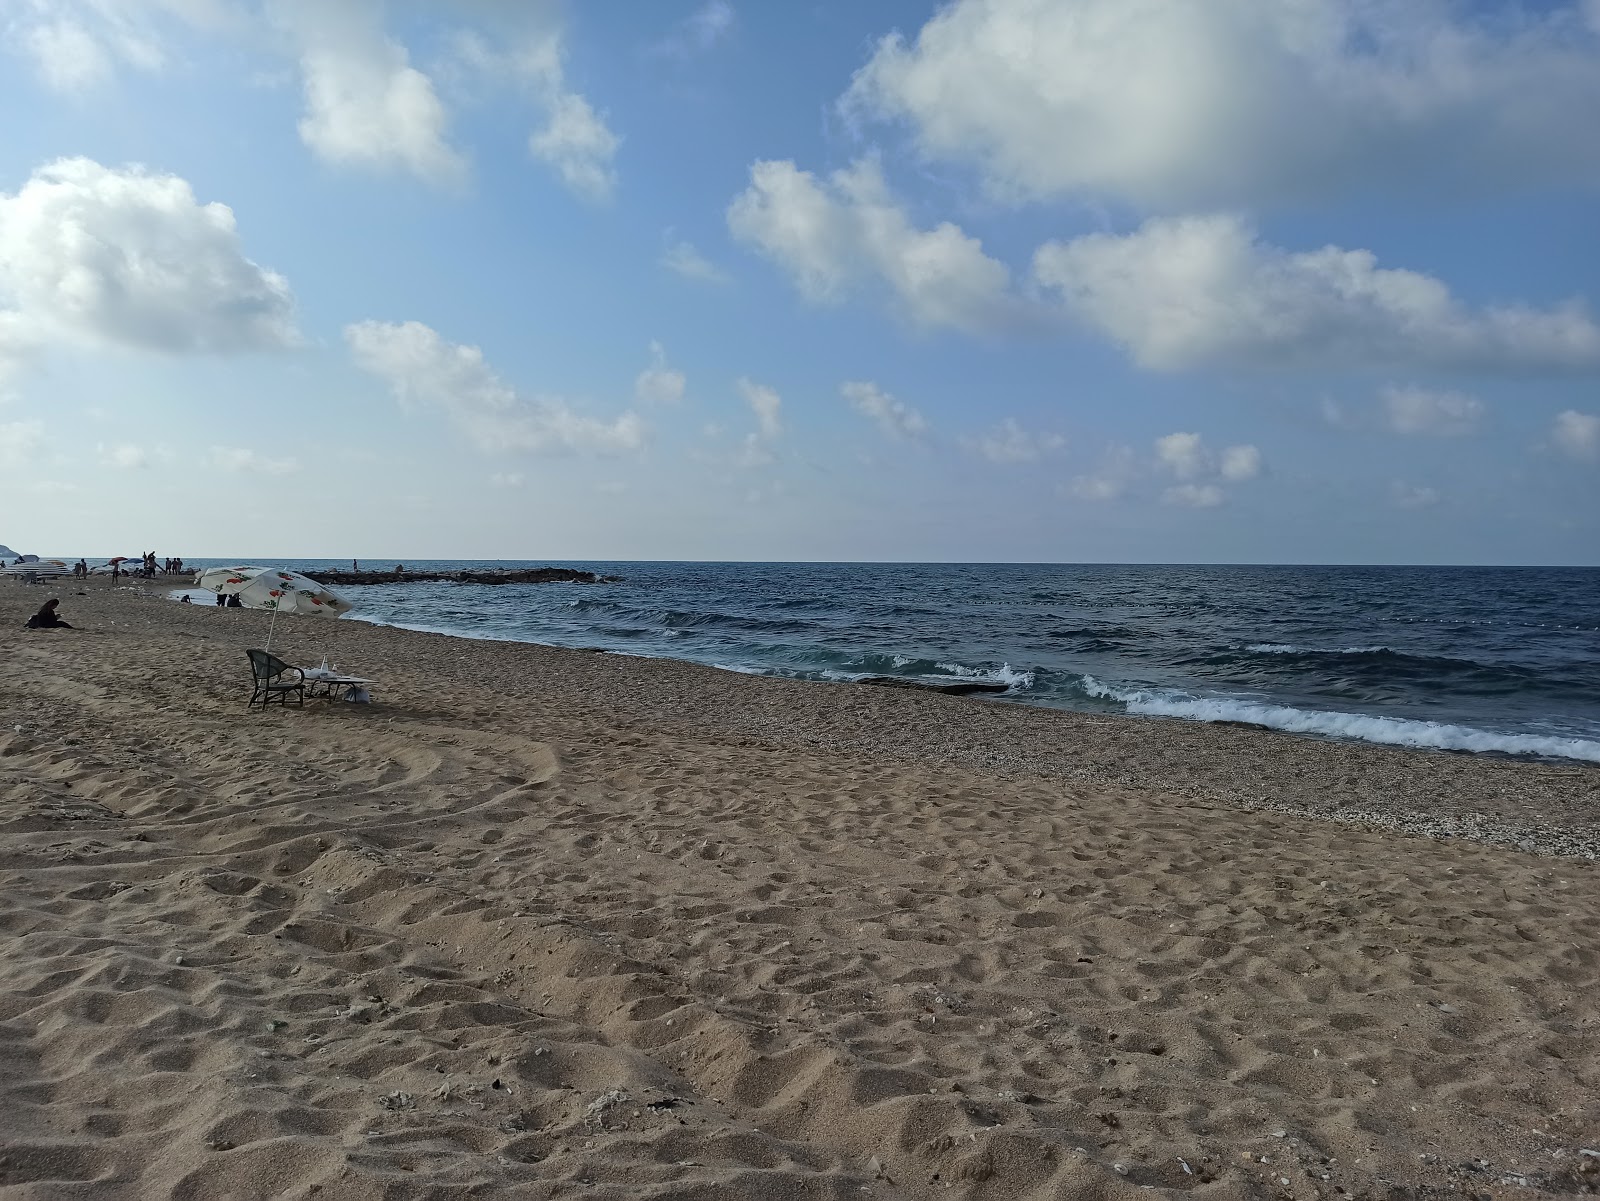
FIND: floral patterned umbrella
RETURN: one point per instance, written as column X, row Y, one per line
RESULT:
column 270, row 588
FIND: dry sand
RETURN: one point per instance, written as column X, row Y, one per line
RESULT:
column 542, row 923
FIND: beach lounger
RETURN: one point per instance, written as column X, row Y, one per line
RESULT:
column 270, row 678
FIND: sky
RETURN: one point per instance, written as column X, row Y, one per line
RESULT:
column 987, row 280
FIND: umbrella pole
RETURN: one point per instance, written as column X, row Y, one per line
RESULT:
column 272, row 627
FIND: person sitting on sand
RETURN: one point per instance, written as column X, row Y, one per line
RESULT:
column 234, row 602
column 47, row 618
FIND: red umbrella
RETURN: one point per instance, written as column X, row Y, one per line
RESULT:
column 117, row 559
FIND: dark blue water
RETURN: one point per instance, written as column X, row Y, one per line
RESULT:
column 1480, row 659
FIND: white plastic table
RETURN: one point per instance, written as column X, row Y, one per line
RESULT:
column 355, row 688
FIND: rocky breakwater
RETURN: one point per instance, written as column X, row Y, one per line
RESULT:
column 509, row 575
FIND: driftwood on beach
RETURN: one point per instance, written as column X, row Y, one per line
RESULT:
column 510, row 575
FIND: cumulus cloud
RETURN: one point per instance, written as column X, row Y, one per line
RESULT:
column 95, row 255
column 836, row 235
column 1175, row 104
column 1239, row 463
column 576, row 141
column 1186, row 456
column 424, row 369
column 659, row 383
column 893, row 417
column 1008, row 442
column 79, row 44
column 1412, row 410
column 682, row 258
column 366, row 105
column 239, row 461
column 1577, row 434
column 1183, row 455
column 529, row 51
column 1197, row 291
column 1200, row 473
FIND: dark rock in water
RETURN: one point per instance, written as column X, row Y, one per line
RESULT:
column 512, row 575
column 955, row 688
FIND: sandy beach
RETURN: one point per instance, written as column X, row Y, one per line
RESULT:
column 545, row 923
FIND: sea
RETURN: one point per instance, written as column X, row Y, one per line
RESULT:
column 1487, row 660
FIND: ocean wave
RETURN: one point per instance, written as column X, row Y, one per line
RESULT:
column 1390, row 731
column 1017, row 681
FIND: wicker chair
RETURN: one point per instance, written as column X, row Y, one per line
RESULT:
column 270, row 679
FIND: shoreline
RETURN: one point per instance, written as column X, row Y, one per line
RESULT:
column 1573, row 833
column 541, row 923
column 1317, row 724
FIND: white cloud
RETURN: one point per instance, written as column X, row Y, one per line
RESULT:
column 1196, row 291
column 701, row 30
column 835, row 236
column 681, row 257
column 1177, row 104
column 366, row 105
column 525, row 47
column 1008, row 442
column 1577, row 434
column 659, row 383
column 756, row 448
column 1194, row 496
column 126, row 456
column 422, row 368
column 766, row 404
column 893, row 417
column 19, row 440
column 129, row 257
column 237, row 460
column 576, row 141
column 1118, row 468
column 1183, row 455
column 1239, row 463
column 1412, row 410
column 69, row 58
column 76, row 45
column 1413, row 496
column 1186, row 456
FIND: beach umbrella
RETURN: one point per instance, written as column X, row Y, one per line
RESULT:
column 275, row 589
column 227, row 580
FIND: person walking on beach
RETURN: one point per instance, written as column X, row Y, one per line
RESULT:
column 116, row 572
column 47, row 618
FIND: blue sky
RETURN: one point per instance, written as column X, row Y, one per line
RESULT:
column 987, row 280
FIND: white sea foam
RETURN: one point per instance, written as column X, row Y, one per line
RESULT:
column 1284, row 648
column 1392, row 731
column 1004, row 674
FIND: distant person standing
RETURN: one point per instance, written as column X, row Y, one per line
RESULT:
column 116, row 572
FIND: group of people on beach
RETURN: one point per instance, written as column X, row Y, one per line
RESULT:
column 148, row 567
